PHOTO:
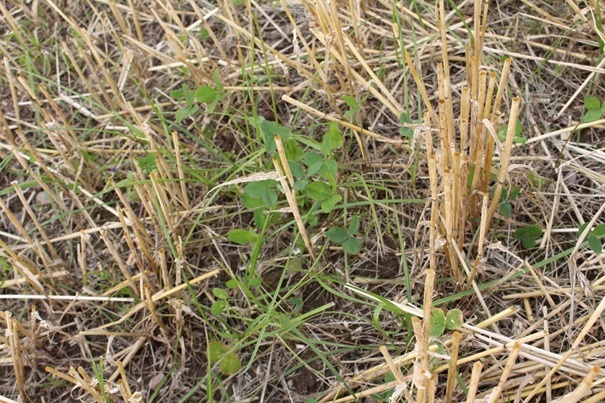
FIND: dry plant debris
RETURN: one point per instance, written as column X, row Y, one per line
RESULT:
column 306, row 201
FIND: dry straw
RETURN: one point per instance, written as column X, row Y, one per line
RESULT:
column 463, row 174
column 461, row 159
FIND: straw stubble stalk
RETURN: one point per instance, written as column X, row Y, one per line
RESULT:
column 392, row 366
column 512, row 358
column 151, row 308
column 474, row 382
column 505, row 158
column 429, row 286
column 582, row 389
column 119, row 262
column 284, row 160
column 451, row 372
column 421, row 367
column 279, row 165
column 12, row 337
column 467, row 155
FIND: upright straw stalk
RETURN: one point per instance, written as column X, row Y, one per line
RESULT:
column 461, row 160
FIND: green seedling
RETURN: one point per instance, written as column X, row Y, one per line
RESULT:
column 386, row 395
column 321, row 192
column 269, row 129
column 242, row 236
column 594, row 237
column 350, row 243
column 203, row 94
column 595, row 109
column 229, row 362
column 528, row 235
column 148, row 162
column 404, row 130
column 518, row 138
column 222, row 301
column 353, row 104
column 506, row 198
column 188, row 95
column 332, row 140
column 440, row 321
column 317, row 165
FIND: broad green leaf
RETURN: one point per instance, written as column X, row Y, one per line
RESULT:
column 521, row 140
column 591, row 116
column 310, row 158
column 218, row 307
column 252, row 202
column 230, row 364
column 318, row 191
column 256, row 189
column 177, row 94
column 595, row 244
column 269, row 196
column 529, row 242
column 404, row 130
column 232, row 284
column 259, row 218
column 330, row 177
column 506, row 209
column 352, row 245
column 147, row 162
column 354, row 225
column 255, row 282
column 189, row 97
column 332, row 140
column 592, row 103
column 328, row 204
column 294, row 264
column 220, row 293
column 330, row 167
column 182, row 114
column 206, row 94
column 518, row 127
column 212, row 105
column 217, row 80
column 242, row 236
column 535, row 179
column 296, row 169
column 351, row 102
column 527, row 235
column 337, row 234
column 293, row 151
column 532, row 231
column 271, row 129
column 514, row 193
column 315, row 168
column 215, row 350
column 301, row 185
column 599, row 230
column 405, row 118
column 437, row 324
column 454, row 319
column 517, row 138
